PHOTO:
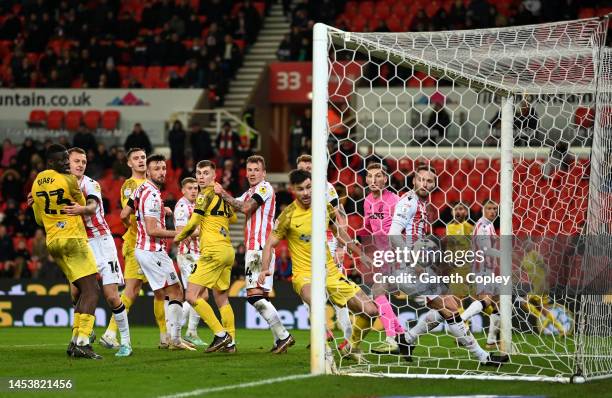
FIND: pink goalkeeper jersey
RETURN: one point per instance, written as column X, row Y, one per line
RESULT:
column 378, row 212
column 95, row 224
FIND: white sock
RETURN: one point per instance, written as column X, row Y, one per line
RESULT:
column 174, row 314
column 194, row 321
column 82, row 341
column 269, row 313
column 121, row 317
column 344, row 319
column 430, row 321
column 495, row 320
column 185, row 317
column 466, row 339
column 473, row 309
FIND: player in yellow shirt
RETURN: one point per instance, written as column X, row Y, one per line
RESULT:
column 54, row 189
column 459, row 238
column 295, row 225
column 133, row 275
column 213, row 269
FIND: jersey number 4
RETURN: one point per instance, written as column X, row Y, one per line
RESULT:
column 59, row 193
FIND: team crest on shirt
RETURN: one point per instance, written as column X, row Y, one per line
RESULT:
column 127, row 192
column 61, row 224
column 97, row 187
column 262, row 190
column 180, row 213
column 200, row 200
column 332, row 192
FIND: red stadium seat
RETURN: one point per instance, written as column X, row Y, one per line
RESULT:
column 382, row 11
column 138, row 73
column 91, row 119
column 38, row 118
column 153, row 76
column 110, row 120
column 55, row 120
column 72, row 122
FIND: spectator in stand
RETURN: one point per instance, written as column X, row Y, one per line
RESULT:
column 84, row 139
column 296, row 143
column 120, row 167
column 227, row 142
column 238, row 268
column 50, row 271
column 95, row 166
column 201, row 144
column 12, row 185
column 244, row 28
column 9, row 151
column 193, row 27
column 231, row 59
column 24, row 226
column 194, row 76
column 526, row 121
column 138, row 139
column 189, row 169
column 104, row 157
column 229, row 177
column 438, row 121
column 176, row 139
column 113, row 80
column 283, row 265
column 305, row 53
column 175, row 80
column 175, row 51
column 7, row 250
column 21, row 74
column 214, row 39
column 284, row 50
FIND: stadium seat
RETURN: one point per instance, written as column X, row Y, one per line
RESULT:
column 153, row 77
column 138, row 73
column 382, row 11
column 38, row 118
column 72, row 122
column 55, row 120
column 91, row 119
column 110, row 120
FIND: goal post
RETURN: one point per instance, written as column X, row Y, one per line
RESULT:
column 411, row 98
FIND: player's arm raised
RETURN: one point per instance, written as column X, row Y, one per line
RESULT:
column 245, row 207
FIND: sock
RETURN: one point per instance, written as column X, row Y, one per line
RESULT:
column 120, row 314
column 160, row 317
column 494, row 321
column 185, row 316
column 268, row 312
column 430, row 321
column 362, row 326
column 457, row 328
column 227, row 317
column 387, row 315
column 175, row 313
column 473, row 309
column 344, row 320
column 194, row 321
column 75, row 327
column 112, row 328
column 166, row 302
column 86, row 323
column 208, row 316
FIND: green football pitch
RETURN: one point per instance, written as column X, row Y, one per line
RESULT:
column 39, row 353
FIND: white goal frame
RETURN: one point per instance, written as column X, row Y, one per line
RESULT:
column 320, row 359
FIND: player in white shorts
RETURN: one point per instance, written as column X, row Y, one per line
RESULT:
column 411, row 218
column 258, row 204
column 102, row 244
column 485, row 239
column 151, row 246
column 188, row 255
column 304, row 162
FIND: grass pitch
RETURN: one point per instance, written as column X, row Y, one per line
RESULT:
column 39, row 353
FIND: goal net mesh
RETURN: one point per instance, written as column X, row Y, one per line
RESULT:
column 434, row 98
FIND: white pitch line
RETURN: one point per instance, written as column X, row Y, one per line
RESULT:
column 236, row 386
column 30, row 345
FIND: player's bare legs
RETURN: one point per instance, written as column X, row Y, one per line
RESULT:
column 446, row 308
column 198, row 301
column 258, row 298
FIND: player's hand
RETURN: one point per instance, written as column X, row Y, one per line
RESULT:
column 168, row 210
column 74, row 209
column 30, row 199
column 176, row 239
column 261, row 281
column 218, row 189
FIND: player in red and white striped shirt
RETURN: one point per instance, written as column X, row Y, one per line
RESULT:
column 151, row 244
column 411, row 217
column 188, row 254
column 485, row 239
column 258, row 204
column 102, row 245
